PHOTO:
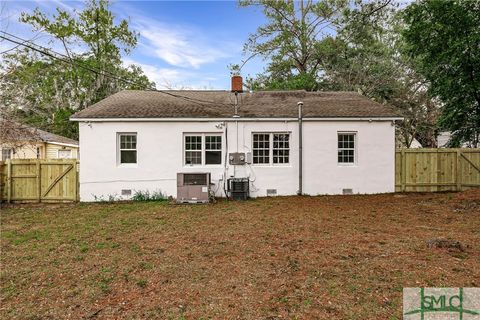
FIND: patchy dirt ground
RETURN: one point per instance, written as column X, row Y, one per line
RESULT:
column 330, row 257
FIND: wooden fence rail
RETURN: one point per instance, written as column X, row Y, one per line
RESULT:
column 416, row 170
column 38, row 180
column 430, row 170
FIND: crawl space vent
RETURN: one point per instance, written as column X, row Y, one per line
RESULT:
column 126, row 192
column 271, row 192
column 347, row 191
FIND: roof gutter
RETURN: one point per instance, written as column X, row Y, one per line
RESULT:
column 235, row 119
column 62, row 144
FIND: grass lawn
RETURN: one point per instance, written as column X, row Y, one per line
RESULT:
column 329, row 257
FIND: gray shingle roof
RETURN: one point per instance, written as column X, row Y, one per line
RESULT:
column 262, row 104
column 21, row 132
column 54, row 138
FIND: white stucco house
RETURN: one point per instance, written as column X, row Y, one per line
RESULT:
column 140, row 140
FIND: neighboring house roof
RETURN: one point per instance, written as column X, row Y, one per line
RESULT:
column 443, row 138
column 54, row 138
column 24, row 132
column 415, row 144
column 262, row 104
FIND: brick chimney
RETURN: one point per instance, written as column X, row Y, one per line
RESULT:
column 237, row 84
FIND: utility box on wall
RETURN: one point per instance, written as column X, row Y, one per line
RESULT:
column 236, row 158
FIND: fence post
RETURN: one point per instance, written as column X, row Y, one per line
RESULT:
column 458, row 171
column 39, row 182
column 9, row 180
column 403, row 175
column 2, row 187
column 77, row 181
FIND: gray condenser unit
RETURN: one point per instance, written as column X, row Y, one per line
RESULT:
column 193, row 187
column 239, row 188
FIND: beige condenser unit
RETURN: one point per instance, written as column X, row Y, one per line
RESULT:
column 193, row 187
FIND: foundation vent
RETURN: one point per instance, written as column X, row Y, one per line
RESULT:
column 126, row 192
column 271, row 192
column 347, row 191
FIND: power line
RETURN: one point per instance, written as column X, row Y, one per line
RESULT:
column 66, row 59
column 11, row 49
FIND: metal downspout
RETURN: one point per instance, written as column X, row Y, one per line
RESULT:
column 300, row 148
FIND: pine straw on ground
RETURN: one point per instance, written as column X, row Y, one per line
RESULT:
column 328, row 257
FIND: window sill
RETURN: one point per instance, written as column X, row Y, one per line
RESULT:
column 260, row 165
column 207, row 166
column 347, row 165
column 127, row 165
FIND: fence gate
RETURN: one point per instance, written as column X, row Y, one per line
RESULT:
column 38, row 180
column 429, row 170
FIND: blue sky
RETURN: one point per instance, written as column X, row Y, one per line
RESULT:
column 183, row 44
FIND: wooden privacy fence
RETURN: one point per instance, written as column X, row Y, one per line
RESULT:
column 416, row 170
column 430, row 170
column 38, row 180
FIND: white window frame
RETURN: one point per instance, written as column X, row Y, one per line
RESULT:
column 119, row 158
column 203, row 149
column 355, row 143
column 270, row 151
column 10, row 153
column 58, row 153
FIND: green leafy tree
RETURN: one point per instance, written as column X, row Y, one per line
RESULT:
column 45, row 91
column 289, row 40
column 367, row 56
column 344, row 45
column 444, row 37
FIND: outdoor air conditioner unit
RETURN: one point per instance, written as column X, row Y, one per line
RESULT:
column 193, row 187
column 239, row 188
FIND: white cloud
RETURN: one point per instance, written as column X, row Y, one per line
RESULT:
column 174, row 78
column 164, row 78
column 180, row 46
column 174, row 56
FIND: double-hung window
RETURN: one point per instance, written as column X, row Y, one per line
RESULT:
column 271, row 148
column 193, row 149
column 202, row 149
column 127, row 148
column 213, row 149
column 261, row 148
column 281, row 148
column 6, row 153
column 346, row 148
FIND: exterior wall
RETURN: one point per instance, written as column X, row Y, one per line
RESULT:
column 160, row 156
column 47, row 151
column 374, row 168
column 25, row 151
column 52, row 151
